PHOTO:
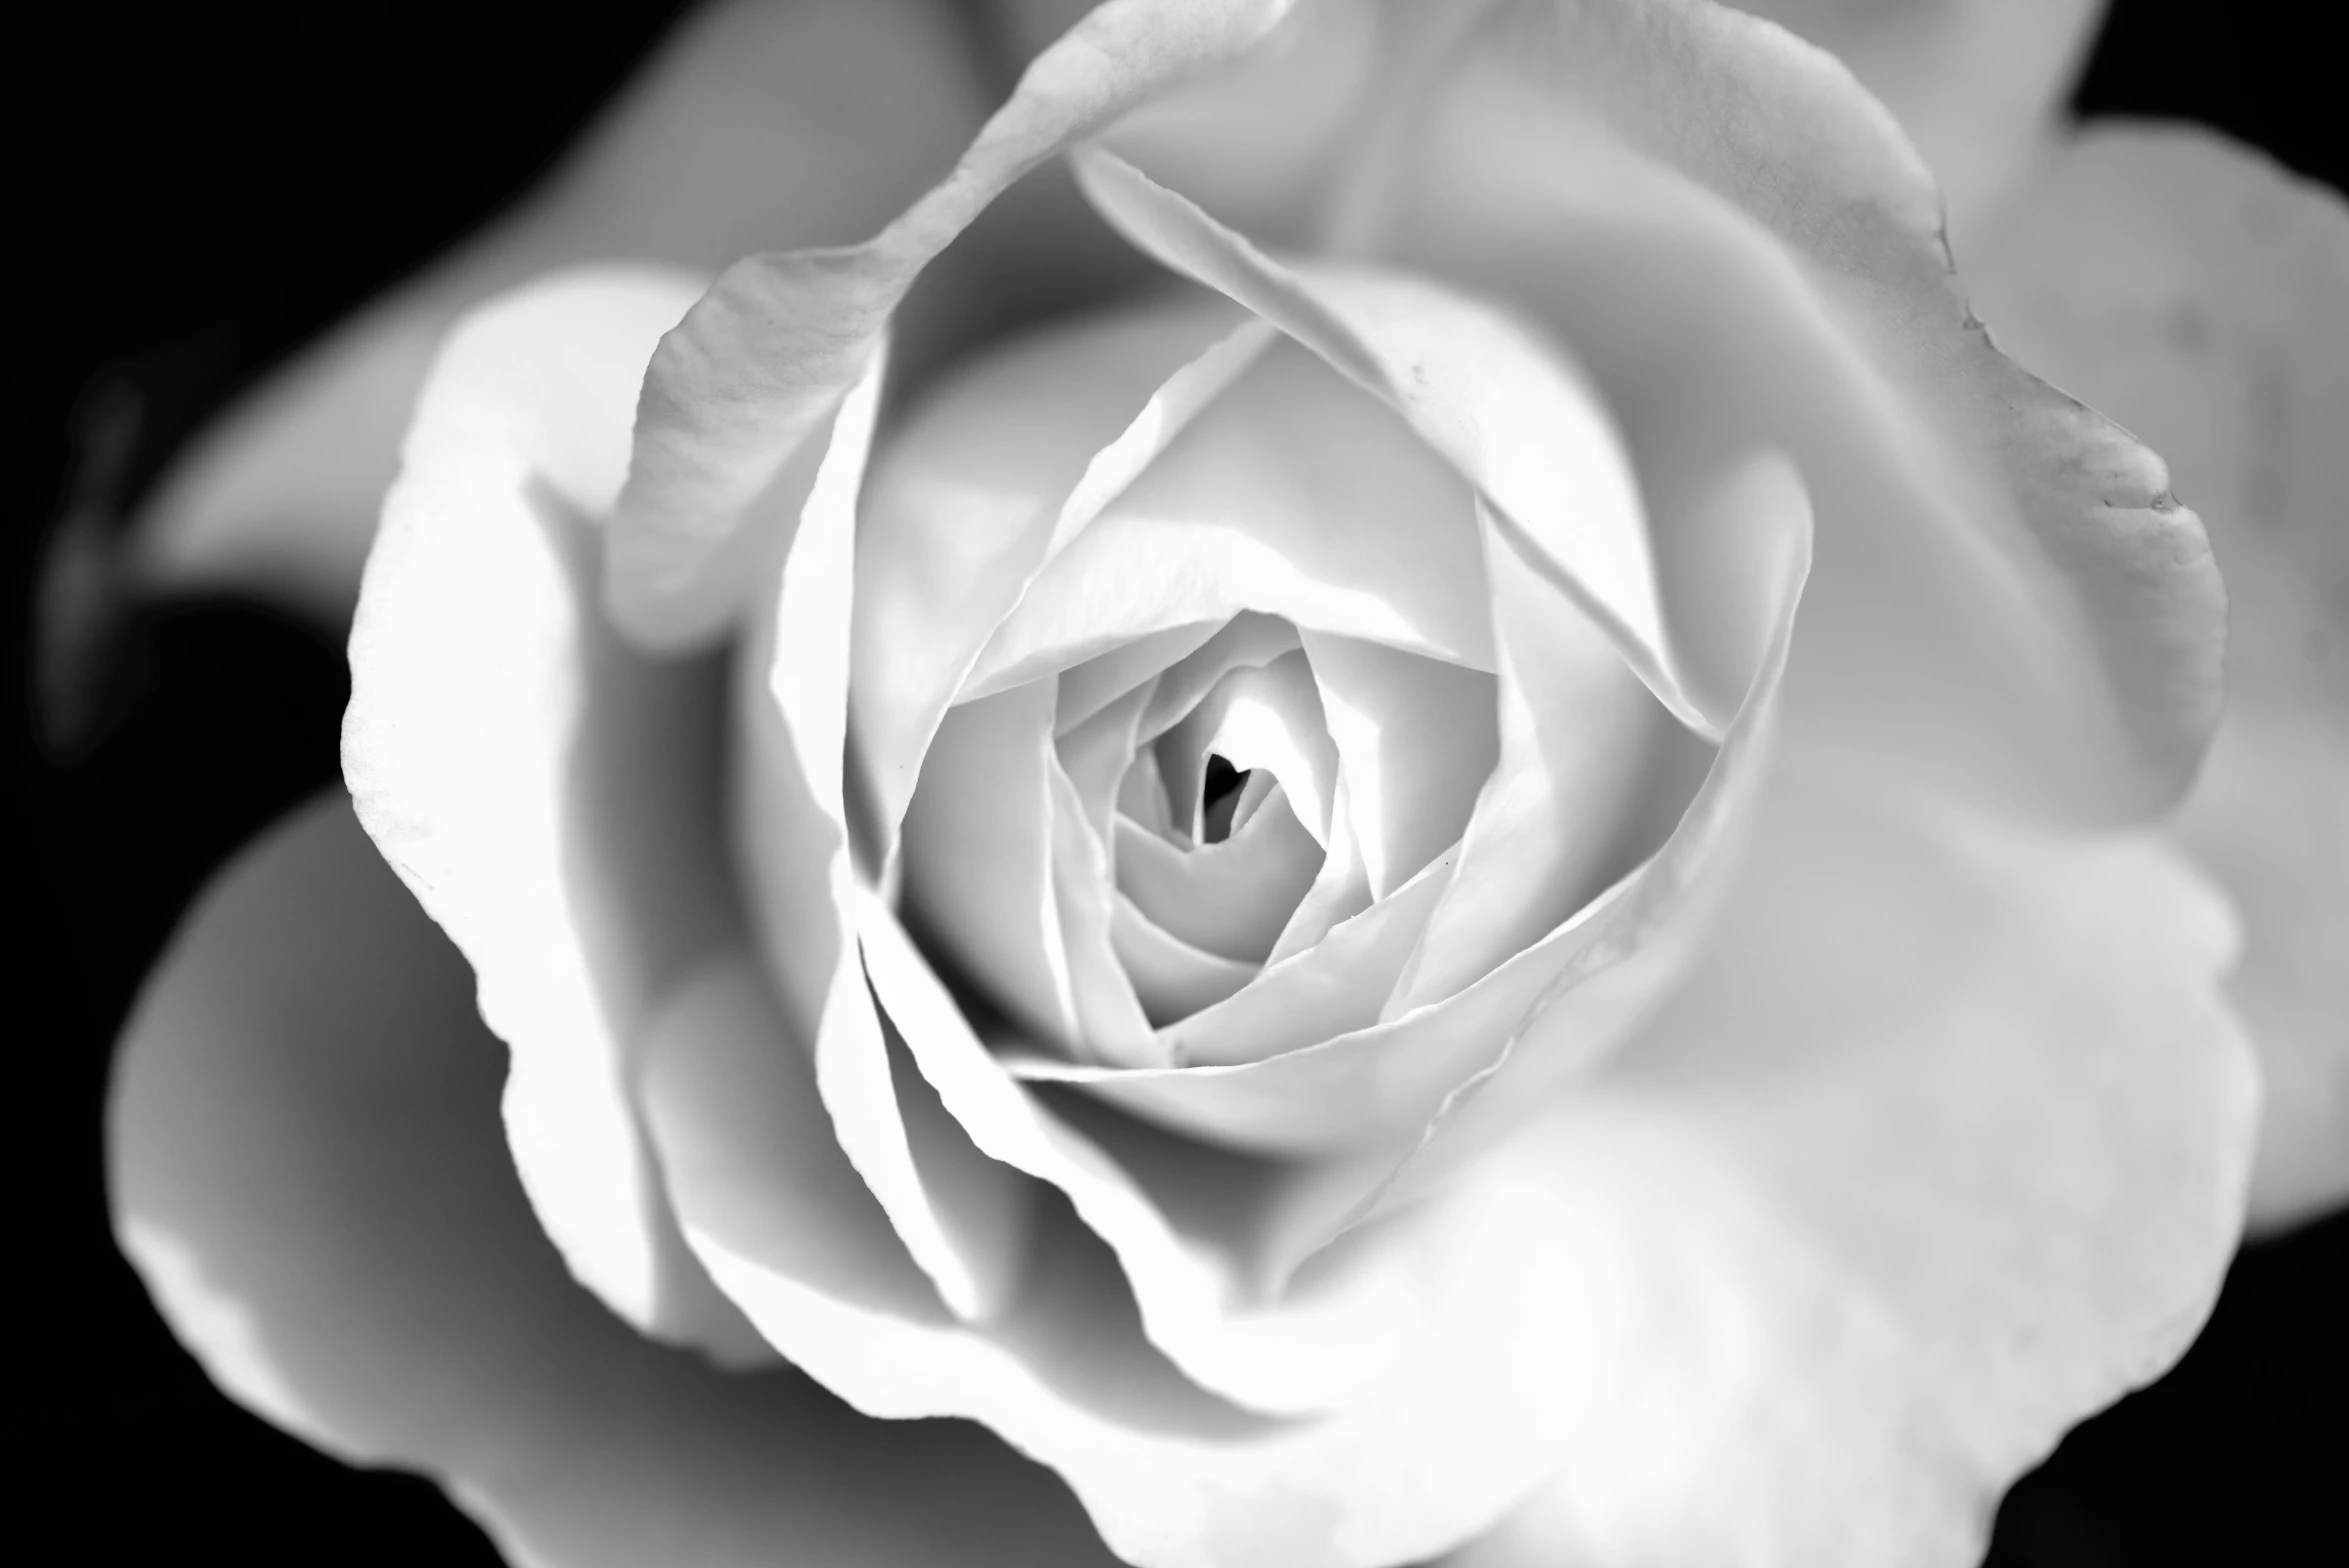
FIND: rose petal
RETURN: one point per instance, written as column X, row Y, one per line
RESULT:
column 2270, row 819
column 1514, row 420
column 1172, row 979
column 545, row 791
column 2202, row 294
column 1978, row 85
column 999, row 472
column 1742, row 248
column 1593, row 977
column 1555, row 822
column 1854, row 1255
column 1341, row 888
column 1109, row 1011
column 835, row 111
column 979, row 852
column 1231, row 898
column 1251, row 139
column 1316, row 993
column 1293, row 495
column 777, row 341
column 307, row 1167
column 1172, row 1477
column 963, row 1221
column 1086, row 689
column 1416, row 738
column 1186, row 1242
column 1246, row 641
column 1260, row 719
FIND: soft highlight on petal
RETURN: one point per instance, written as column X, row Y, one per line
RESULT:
column 546, row 792
column 1978, row 85
column 307, row 1166
column 1315, row 1070
column 995, row 475
column 1172, row 1477
column 962, row 1220
column 1742, row 248
column 1513, row 419
column 1857, row 1254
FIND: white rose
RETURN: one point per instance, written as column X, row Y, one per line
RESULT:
column 1682, row 1048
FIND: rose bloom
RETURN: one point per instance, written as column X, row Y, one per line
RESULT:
column 1415, row 815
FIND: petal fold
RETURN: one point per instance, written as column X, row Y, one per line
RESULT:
column 962, row 1220
column 307, row 1167
column 993, row 478
column 1513, row 419
column 2202, row 295
column 1549, row 1012
column 1292, row 495
column 1416, row 738
column 779, row 339
column 1449, row 1435
column 1741, row 247
column 545, row 791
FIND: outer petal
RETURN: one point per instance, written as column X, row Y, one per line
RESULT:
column 308, row 1170
column 1292, row 495
column 1976, row 83
column 1253, row 139
column 1190, row 1226
column 546, row 792
column 1455, row 1430
column 1857, row 1253
column 834, row 112
column 962, row 1219
column 765, row 355
column 1416, row 738
column 2202, row 295
column 1739, row 244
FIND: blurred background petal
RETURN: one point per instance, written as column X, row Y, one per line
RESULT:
column 1978, row 84
column 2200, row 294
column 759, row 124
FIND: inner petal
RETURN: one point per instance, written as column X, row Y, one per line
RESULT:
column 1267, row 717
column 1231, row 898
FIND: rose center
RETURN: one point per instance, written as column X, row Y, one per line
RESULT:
column 1219, row 798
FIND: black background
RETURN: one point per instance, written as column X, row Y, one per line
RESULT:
column 201, row 188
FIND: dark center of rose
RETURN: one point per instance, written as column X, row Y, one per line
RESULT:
column 1219, row 797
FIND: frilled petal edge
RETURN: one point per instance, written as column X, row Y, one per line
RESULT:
column 2201, row 294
